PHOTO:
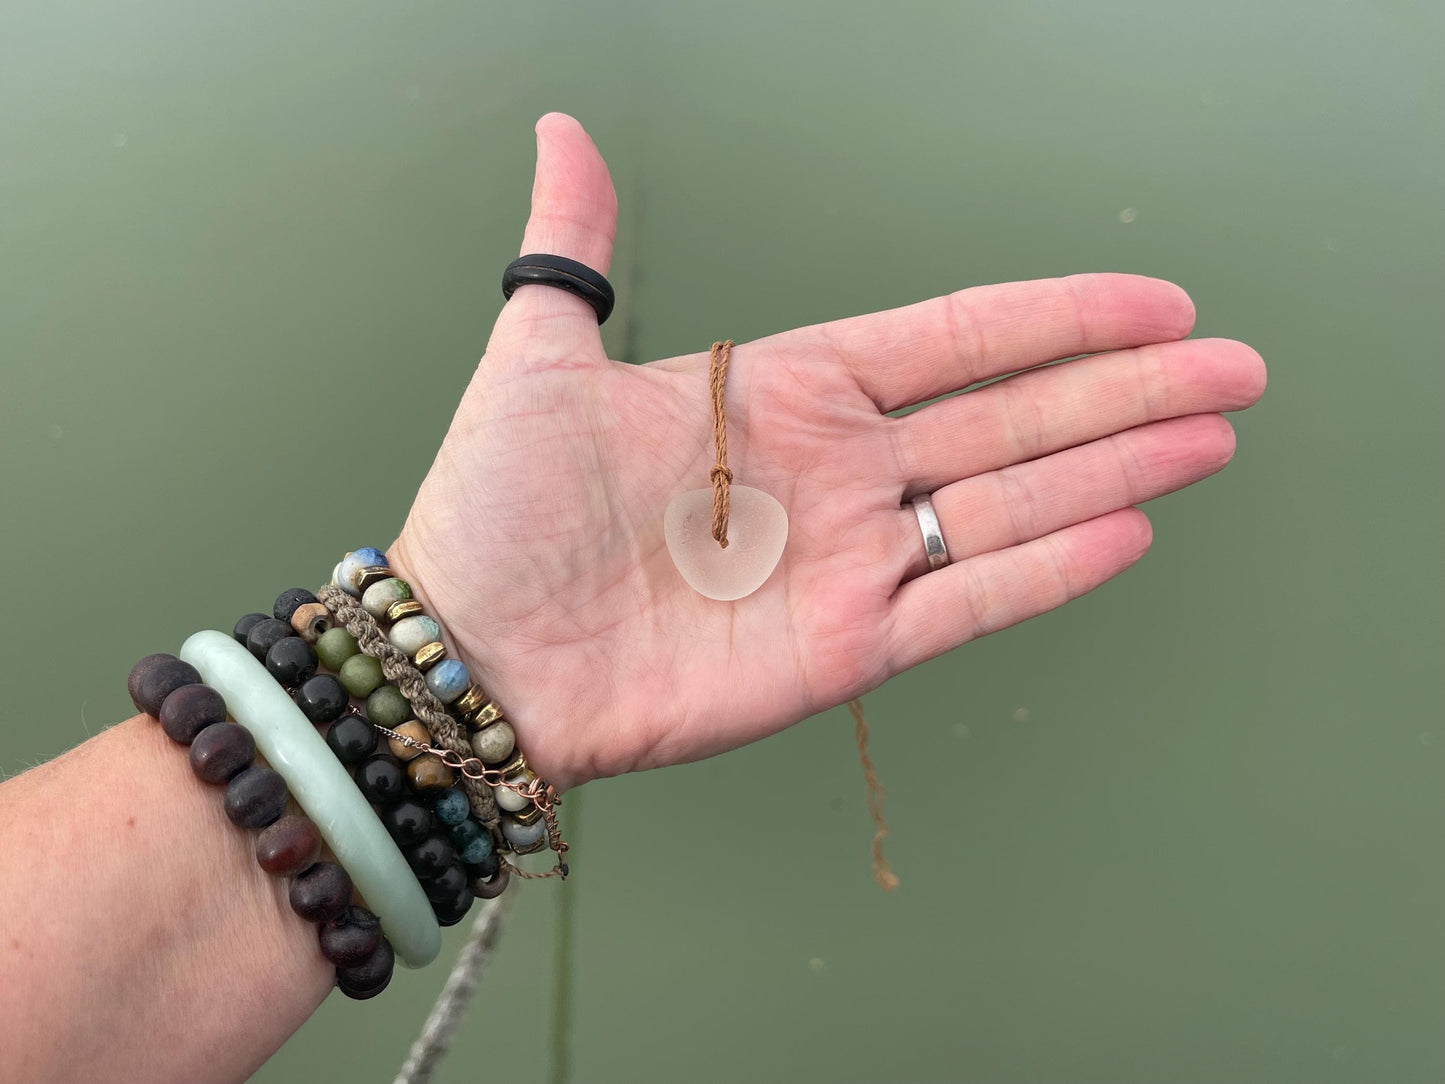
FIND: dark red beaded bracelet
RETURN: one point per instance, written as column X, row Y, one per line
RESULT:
column 223, row 753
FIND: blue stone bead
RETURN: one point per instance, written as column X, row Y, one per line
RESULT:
column 353, row 563
column 451, row 807
column 463, row 833
column 447, row 680
column 477, row 850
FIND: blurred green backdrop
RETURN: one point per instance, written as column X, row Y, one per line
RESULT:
column 1187, row 829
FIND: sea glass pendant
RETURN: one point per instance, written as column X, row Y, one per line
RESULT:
column 757, row 531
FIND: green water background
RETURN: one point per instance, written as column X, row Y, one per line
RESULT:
column 1187, row 829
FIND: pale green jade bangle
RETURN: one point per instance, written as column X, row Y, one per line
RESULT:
column 322, row 787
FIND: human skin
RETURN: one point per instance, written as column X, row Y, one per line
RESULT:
column 536, row 539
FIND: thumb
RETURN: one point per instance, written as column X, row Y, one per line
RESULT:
column 574, row 214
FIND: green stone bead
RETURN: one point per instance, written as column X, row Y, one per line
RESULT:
column 387, row 707
column 362, row 676
column 335, row 646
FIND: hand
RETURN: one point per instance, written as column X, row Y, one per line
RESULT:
column 537, row 535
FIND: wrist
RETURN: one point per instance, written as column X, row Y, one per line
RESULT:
column 488, row 663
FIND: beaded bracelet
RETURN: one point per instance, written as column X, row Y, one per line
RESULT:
column 452, row 866
column 411, row 645
column 223, row 753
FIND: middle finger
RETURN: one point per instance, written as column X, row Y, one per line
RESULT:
column 1059, row 406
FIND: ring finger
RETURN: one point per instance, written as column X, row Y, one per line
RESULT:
column 1003, row 508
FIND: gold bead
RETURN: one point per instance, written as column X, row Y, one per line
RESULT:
column 416, row 732
column 518, row 763
column 403, row 607
column 371, row 574
column 483, row 716
column 527, row 816
column 469, row 701
column 310, row 620
column 429, row 775
column 430, row 655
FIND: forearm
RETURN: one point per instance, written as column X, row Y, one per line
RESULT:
column 139, row 940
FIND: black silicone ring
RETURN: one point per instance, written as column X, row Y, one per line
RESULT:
column 541, row 269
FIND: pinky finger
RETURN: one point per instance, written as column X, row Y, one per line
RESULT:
column 940, row 610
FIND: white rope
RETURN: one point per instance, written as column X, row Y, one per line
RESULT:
column 451, row 1004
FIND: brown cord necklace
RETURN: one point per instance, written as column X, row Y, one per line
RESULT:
column 727, row 540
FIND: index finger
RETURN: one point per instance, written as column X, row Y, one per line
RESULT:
column 905, row 356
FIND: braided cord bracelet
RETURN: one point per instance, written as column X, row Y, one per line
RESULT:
column 441, row 727
column 512, row 784
column 364, row 588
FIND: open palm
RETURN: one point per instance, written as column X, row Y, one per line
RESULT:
column 537, row 536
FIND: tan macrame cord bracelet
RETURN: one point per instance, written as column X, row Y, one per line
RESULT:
column 455, row 750
column 444, row 728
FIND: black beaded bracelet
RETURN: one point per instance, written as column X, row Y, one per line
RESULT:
column 432, row 844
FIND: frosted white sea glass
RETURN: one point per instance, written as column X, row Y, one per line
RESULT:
column 322, row 787
column 757, row 532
